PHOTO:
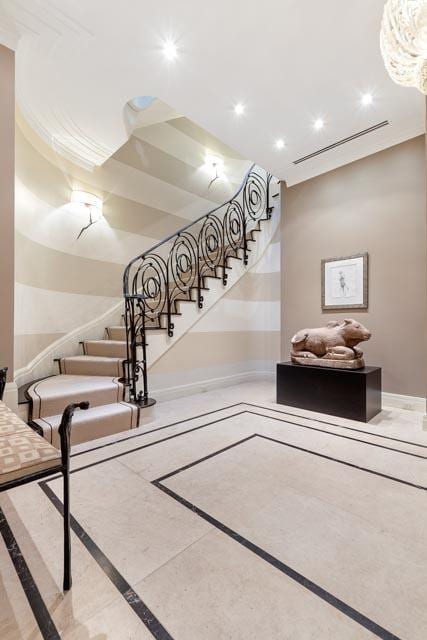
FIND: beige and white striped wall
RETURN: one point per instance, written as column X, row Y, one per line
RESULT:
column 151, row 187
column 239, row 337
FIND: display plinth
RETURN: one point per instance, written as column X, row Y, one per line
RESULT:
column 353, row 394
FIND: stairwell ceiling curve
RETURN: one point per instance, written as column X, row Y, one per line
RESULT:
column 79, row 63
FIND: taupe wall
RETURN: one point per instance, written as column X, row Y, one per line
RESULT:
column 375, row 204
column 7, row 169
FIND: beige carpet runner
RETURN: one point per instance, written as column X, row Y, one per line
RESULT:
column 93, row 376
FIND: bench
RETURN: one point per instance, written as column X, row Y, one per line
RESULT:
column 25, row 456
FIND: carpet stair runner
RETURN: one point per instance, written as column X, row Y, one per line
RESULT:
column 96, row 374
column 93, row 376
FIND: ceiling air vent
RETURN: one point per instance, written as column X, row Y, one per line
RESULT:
column 343, row 141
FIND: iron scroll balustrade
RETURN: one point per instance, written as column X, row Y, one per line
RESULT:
column 156, row 281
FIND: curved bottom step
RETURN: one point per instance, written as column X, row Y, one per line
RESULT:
column 94, row 423
column 50, row 396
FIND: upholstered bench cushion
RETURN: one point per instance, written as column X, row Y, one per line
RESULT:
column 22, row 450
column 9, row 421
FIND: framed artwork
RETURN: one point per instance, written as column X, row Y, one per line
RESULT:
column 345, row 282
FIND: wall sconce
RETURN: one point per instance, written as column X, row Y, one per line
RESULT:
column 92, row 203
column 216, row 167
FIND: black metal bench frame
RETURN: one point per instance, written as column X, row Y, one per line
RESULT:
column 63, row 468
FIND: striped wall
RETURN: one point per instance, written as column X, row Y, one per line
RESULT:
column 239, row 335
column 155, row 184
column 151, row 187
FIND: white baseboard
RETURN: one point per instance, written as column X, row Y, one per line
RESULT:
column 213, row 383
column 392, row 400
column 397, row 401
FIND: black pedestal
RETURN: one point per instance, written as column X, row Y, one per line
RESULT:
column 354, row 394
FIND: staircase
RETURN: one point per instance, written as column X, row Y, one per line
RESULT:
column 95, row 376
column 112, row 373
column 178, row 270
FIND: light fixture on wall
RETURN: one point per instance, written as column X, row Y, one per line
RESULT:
column 403, row 42
column 92, row 203
column 215, row 167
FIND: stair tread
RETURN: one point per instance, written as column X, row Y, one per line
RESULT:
column 116, row 408
column 51, row 395
column 97, row 422
column 63, row 382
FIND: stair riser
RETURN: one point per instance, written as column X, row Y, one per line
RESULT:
column 104, row 348
column 87, row 368
column 117, row 333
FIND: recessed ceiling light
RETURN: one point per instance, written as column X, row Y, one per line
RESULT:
column 279, row 144
column 366, row 99
column 169, row 50
column 239, row 109
column 318, row 124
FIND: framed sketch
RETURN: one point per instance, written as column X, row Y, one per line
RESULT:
column 345, row 282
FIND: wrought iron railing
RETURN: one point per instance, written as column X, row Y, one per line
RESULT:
column 175, row 270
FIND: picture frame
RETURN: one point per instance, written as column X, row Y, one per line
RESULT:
column 345, row 282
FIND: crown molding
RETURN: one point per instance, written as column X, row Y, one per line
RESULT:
column 23, row 28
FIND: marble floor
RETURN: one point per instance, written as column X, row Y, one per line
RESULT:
column 226, row 516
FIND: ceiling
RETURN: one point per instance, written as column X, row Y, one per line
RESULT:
column 79, row 63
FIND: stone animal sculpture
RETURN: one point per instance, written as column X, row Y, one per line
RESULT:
column 331, row 346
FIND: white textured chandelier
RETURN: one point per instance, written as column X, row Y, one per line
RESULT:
column 404, row 42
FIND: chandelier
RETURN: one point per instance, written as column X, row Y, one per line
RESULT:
column 403, row 42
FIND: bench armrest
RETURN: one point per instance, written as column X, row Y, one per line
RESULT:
column 65, row 428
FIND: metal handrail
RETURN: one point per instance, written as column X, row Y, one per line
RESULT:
column 199, row 250
column 184, row 228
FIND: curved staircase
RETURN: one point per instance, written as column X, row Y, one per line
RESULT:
column 166, row 290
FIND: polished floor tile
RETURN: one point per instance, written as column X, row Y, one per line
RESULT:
column 217, row 590
column 214, row 558
column 290, row 504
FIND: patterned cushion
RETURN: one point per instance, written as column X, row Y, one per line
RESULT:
column 22, row 450
column 9, row 421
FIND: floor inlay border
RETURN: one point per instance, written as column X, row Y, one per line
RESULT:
column 208, row 424
column 305, row 582
column 340, row 435
column 109, row 568
column 340, row 426
column 155, row 627
column 125, row 589
column 166, row 426
column 257, row 406
column 43, row 618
